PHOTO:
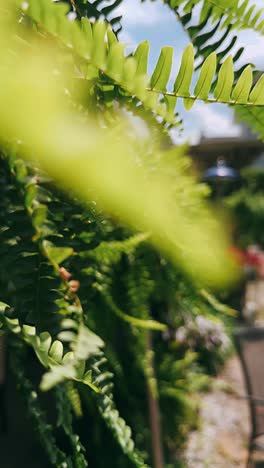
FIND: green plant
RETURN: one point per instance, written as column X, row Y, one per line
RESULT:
column 106, row 241
column 247, row 204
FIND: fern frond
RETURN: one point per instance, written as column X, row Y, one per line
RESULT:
column 108, row 411
column 147, row 324
column 110, row 253
column 208, row 37
column 238, row 14
column 100, row 58
column 57, row 457
column 98, row 10
column 107, row 254
column 64, row 420
column 130, row 72
column 254, row 117
column 61, row 365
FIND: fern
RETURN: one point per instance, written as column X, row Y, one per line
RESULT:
column 130, row 72
column 247, row 205
column 208, row 37
column 217, row 20
column 65, row 421
column 254, row 117
column 98, row 61
column 238, row 14
column 97, row 10
column 109, row 413
column 61, row 365
column 57, row 457
column 66, row 267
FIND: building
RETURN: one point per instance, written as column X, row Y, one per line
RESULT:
column 239, row 151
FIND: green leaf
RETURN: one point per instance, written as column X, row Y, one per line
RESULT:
column 112, row 39
column 218, row 306
column 184, row 78
column 257, row 94
column 141, row 57
column 242, row 8
column 88, row 376
column 35, row 11
column 161, row 74
column 56, row 375
column 21, row 170
column 3, row 307
column 29, row 331
column 56, row 351
column 67, row 336
column 87, row 343
column 188, row 103
column 115, row 60
column 69, row 323
column 129, row 72
column 87, row 380
column 148, row 324
column 57, row 254
column 42, row 350
column 206, row 76
column 225, row 80
column 88, row 35
column 151, row 100
column 99, row 47
column 68, row 358
column 249, row 13
column 204, row 11
column 31, row 194
column 13, row 325
column 39, row 215
column 243, row 86
column 46, row 340
column 170, row 106
column 140, row 85
column 91, row 385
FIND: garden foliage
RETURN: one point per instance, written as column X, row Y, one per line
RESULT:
column 105, row 240
column 247, row 204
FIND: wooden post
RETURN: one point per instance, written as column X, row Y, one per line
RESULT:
column 153, row 407
column 3, row 420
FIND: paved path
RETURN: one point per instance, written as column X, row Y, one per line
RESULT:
column 222, row 439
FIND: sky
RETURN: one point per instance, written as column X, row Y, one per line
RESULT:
column 155, row 22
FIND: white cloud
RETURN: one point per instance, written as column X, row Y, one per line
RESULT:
column 147, row 14
column 254, row 48
column 213, row 123
column 189, row 136
column 258, row 3
column 208, row 120
column 128, row 40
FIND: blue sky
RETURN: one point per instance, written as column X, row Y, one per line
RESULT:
column 155, row 22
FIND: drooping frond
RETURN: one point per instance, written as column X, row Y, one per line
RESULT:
column 238, row 14
column 105, row 402
column 65, row 358
column 29, row 394
column 214, row 25
column 208, row 37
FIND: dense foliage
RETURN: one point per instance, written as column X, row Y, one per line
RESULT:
column 247, row 205
column 116, row 271
column 115, row 328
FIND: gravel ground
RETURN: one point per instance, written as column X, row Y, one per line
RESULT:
column 222, row 439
